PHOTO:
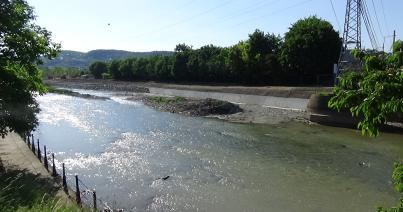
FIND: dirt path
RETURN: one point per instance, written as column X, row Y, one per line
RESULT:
column 15, row 154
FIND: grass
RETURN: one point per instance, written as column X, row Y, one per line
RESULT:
column 23, row 191
column 325, row 93
column 165, row 99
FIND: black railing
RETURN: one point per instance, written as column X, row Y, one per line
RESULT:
column 83, row 195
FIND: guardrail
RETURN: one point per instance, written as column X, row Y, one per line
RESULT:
column 83, row 195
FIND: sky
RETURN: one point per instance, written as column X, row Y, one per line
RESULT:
column 148, row 25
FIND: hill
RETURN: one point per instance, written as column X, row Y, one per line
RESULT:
column 76, row 59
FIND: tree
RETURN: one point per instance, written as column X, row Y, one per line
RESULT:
column 311, row 47
column 98, row 68
column 181, row 58
column 22, row 46
column 263, row 54
column 398, row 52
column 237, row 60
column 114, row 69
column 375, row 93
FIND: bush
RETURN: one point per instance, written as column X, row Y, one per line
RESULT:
column 398, row 177
column 376, row 93
column 398, row 182
column 106, row 76
column 98, row 68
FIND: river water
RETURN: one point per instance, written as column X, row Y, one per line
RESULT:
column 122, row 148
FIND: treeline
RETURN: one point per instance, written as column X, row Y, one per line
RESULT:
column 62, row 72
column 305, row 55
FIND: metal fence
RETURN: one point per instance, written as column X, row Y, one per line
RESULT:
column 81, row 193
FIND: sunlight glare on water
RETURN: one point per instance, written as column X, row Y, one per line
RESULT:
column 124, row 148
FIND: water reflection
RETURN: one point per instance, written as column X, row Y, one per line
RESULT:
column 123, row 149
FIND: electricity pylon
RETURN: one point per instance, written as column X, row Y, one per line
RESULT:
column 351, row 36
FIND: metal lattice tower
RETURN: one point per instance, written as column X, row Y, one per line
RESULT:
column 351, row 34
column 352, row 25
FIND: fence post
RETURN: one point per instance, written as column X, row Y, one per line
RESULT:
column 78, row 197
column 39, row 152
column 45, row 158
column 54, row 173
column 64, row 180
column 94, row 199
column 33, row 144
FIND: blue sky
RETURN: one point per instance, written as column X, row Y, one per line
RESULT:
column 146, row 25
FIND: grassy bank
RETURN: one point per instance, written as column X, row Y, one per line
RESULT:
column 21, row 190
column 166, row 100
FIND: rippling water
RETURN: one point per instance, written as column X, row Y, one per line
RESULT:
column 122, row 148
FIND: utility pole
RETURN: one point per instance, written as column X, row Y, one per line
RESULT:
column 394, row 40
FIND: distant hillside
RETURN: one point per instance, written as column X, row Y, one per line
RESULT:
column 82, row 60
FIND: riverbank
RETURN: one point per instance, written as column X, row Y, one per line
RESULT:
column 25, row 183
column 75, row 94
column 189, row 106
column 263, row 105
column 141, row 87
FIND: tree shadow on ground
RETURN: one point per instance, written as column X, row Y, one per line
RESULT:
column 20, row 188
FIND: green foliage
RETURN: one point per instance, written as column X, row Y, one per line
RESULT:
column 398, row 52
column 82, row 60
column 398, row 46
column 255, row 60
column 106, row 76
column 20, row 78
column 374, row 94
column 98, row 68
column 50, row 205
column 398, row 177
column 309, row 52
column 165, row 99
column 311, row 47
column 62, row 72
column 21, row 190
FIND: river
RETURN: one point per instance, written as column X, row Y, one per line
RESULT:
column 122, row 148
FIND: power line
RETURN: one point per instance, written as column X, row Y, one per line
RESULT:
column 179, row 8
column 256, row 6
column 377, row 19
column 384, row 16
column 335, row 15
column 368, row 25
column 187, row 19
column 275, row 12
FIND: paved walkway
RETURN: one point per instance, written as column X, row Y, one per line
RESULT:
column 14, row 152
